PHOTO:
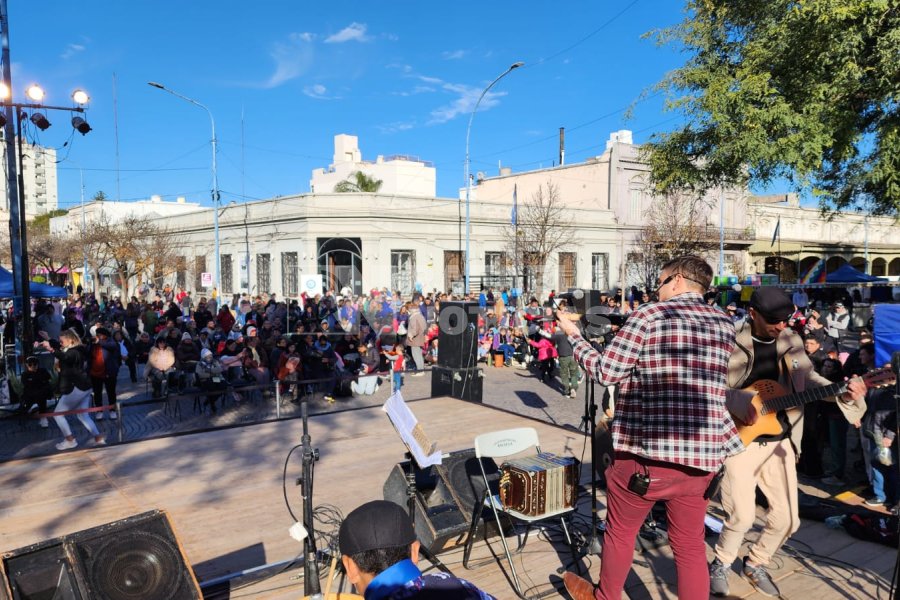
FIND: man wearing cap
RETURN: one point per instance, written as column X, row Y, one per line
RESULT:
column 766, row 349
column 838, row 320
column 380, row 553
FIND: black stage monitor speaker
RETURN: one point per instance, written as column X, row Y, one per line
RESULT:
column 138, row 558
column 464, row 384
column 445, row 499
column 457, row 334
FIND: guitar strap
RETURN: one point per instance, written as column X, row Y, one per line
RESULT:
column 788, row 370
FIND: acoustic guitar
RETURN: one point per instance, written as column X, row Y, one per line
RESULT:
column 769, row 398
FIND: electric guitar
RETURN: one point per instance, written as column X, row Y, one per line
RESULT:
column 769, row 398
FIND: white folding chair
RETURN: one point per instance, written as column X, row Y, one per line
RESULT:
column 502, row 444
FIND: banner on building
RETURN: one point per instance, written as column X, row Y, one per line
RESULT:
column 245, row 271
column 206, row 280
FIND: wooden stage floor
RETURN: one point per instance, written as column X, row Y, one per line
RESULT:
column 223, row 491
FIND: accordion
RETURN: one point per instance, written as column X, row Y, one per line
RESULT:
column 537, row 485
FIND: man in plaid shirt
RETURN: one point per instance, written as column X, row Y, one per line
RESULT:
column 670, row 359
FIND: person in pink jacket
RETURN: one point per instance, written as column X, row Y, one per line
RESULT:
column 546, row 354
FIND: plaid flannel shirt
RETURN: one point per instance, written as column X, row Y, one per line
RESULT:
column 671, row 361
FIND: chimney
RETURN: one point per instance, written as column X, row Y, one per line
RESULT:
column 562, row 146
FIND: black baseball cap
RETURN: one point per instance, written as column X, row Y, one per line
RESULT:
column 374, row 525
column 772, row 303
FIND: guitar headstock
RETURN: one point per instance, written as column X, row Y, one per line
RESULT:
column 879, row 378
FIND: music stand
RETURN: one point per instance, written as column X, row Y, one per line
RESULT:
column 420, row 452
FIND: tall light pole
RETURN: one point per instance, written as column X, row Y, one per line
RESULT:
column 512, row 67
column 215, row 179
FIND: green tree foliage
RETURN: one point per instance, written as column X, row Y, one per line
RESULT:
column 807, row 90
column 42, row 222
column 358, row 182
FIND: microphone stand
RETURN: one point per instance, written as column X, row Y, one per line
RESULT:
column 311, row 586
column 592, row 546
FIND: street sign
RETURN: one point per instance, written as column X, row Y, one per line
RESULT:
column 206, row 280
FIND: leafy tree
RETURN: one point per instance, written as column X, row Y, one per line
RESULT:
column 773, row 89
column 358, row 182
column 100, row 196
column 42, row 222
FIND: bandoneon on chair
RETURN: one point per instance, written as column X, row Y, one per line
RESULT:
column 536, row 485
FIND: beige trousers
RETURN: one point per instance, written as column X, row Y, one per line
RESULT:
column 773, row 467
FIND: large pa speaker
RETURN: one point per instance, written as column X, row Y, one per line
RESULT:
column 138, row 558
column 457, row 334
column 445, row 499
column 464, row 384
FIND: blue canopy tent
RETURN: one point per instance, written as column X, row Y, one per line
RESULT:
column 847, row 274
column 38, row 290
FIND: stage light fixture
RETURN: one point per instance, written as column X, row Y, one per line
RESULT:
column 40, row 120
column 80, row 97
column 35, row 92
column 80, row 125
column 4, row 92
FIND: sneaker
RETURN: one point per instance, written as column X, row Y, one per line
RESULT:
column 113, row 415
column 759, row 578
column 67, row 445
column 832, row 480
column 100, row 442
column 33, row 409
column 99, row 416
column 873, row 501
column 44, row 423
column 718, row 578
column 573, row 394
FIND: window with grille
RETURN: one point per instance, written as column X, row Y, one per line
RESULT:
column 199, row 269
column 289, row 274
column 567, row 272
column 600, row 271
column 494, row 269
column 263, row 281
column 227, row 268
column 403, row 270
column 180, row 272
column 636, row 208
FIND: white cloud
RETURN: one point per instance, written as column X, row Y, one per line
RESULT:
column 318, row 91
column 292, row 57
column 419, row 89
column 467, row 96
column 354, row 32
column 396, row 126
column 71, row 50
column 433, row 80
column 453, row 55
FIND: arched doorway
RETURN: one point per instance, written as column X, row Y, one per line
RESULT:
column 858, row 263
column 894, row 267
column 808, row 263
column 785, row 268
column 879, row 267
column 834, row 263
column 340, row 263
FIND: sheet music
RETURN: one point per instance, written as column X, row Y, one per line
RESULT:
column 423, row 450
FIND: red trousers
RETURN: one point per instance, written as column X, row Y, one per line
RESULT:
column 681, row 489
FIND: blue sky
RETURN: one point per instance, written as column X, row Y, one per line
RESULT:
column 403, row 76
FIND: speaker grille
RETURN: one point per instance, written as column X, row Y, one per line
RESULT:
column 138, row 565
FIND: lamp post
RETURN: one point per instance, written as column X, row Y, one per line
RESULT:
column 215, row 179
column 12, row 134
column 512, row 67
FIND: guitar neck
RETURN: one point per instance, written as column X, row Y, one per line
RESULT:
column 800, row 398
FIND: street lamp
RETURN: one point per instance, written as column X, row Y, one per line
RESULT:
column 512, row 67
column 215, row 179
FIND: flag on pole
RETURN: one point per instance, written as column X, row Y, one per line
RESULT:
column 775, row 234
column 514, row 218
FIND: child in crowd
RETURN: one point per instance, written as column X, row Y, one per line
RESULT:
column 36, row 388
column 546, row 353
column 395, row 357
